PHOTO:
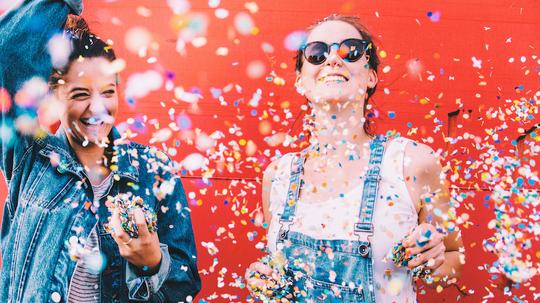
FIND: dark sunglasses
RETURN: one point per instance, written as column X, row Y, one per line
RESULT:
column 349, row 50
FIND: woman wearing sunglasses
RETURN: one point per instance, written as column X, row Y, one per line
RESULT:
column 342, row 210
column 65, row 235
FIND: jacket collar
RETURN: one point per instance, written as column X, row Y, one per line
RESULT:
column 59, row 151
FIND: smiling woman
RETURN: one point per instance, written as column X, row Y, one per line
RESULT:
column 85, row 219
column 356, row 216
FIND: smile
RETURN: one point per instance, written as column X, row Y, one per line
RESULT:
column 333, row 78
column 92, row 121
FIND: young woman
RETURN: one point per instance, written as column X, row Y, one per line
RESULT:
column 55, row 244
column 337, row 209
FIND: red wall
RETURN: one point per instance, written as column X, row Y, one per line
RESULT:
column 223, row 211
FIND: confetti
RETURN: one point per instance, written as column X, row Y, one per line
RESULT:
column 126, row 203
column 434, row 16
column 5, row 100
column 276, row 286
column 255, row 69
column 295, row 40
column 59, row 47
column 179, row 6
column 194, row 162
column 244, row 23
column 138, row 39
column 141, row 84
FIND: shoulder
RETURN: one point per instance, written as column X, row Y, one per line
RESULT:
column 271, row 173
column 421, row 157
column 147, row 152
column 139, row 146
column 276, row 166
column 151, row 159
column 422, row 168
column 278, row 169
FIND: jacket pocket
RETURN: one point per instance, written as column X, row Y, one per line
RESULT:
column 57, row 199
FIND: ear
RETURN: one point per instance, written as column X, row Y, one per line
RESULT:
column 299, row 86
column 298, row 80
column 373, row 78
column 56, row 92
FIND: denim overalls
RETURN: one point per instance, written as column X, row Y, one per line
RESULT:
column 332, row 270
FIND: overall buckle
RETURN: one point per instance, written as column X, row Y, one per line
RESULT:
column 364, row 249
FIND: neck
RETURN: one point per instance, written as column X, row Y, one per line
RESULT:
column 93, row 159
column 338, row 128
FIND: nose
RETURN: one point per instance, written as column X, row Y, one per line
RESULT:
column 97, row 105
column 333, row 58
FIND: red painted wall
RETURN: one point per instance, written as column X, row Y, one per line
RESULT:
column 502, row 34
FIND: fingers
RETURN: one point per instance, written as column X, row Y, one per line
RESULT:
column 263, row 268
column 433, row 257
column 423, row 238
column 140, row 221
column 255, row 283
column 118, row 233
column 259, row 267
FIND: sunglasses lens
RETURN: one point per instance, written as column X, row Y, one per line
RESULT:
column 352, row 49
column 316, row 52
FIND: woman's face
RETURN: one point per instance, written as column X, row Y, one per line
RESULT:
column 335, row 79
column 91, row 100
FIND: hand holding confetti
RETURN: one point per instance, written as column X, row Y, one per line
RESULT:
column 133, row 228
column 267, row 279
column 400, row 258
column 422, row 251
column 126, row 204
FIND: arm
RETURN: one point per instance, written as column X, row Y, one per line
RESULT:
column 24, row 34
column 444, row 254
column 176, row 276
column 268, row 176
column 259, row 267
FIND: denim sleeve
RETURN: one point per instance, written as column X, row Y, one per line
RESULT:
column 142, row 287
column 75, row 5
column 25, row 32
column 178, row 277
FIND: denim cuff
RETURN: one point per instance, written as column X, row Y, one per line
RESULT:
column 140, row 287
column 75, row 5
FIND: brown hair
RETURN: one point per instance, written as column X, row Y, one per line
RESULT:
column 371, row 52
column 84, row 44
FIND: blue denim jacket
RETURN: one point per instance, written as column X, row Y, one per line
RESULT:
column 48, row 206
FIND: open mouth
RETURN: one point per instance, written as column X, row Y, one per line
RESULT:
column 97, row 120
column 333, row 78
column 92, row 121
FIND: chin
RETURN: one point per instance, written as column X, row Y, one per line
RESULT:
column 332, row 96
column 93, row 138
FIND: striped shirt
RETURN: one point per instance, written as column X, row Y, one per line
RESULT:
column 85, row 285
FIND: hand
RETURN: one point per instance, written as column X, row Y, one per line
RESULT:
column 257, row 275
column 427, row 246
column 257, row 269
column 143, row 252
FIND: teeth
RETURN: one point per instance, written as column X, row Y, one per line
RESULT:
column 98, row 120
column 92, row 121
column 335, row 78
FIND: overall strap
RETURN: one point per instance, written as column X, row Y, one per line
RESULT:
column 364, row 226
column 295, row 183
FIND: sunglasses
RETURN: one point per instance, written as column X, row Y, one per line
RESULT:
column 350, row 50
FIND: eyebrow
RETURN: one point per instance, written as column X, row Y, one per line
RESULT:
column 78, row 89
column 75, row 89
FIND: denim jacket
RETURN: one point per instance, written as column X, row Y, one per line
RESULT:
column 49, row 206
